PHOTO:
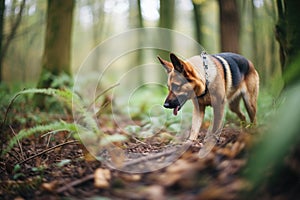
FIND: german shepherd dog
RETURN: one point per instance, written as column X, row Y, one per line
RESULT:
column 211, row 80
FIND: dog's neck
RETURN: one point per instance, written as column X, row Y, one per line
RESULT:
column 197, row 63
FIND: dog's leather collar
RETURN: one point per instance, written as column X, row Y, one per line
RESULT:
column 204, row 93
column 205, row 65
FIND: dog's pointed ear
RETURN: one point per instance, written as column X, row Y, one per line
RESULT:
column 166, row 64
column 177, row 63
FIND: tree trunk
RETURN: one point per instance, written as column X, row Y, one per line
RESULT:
column 229, row 25
column 288, row 35
column 166, row 20
column 197, row 16
column 57, row 51
column 2, row 10
column 141, row 22
column 167, row 8
column 11, row 35
column 57, row 54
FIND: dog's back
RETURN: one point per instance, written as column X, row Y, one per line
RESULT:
column 238, row 65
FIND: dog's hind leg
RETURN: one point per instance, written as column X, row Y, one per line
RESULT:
column 234, row 106
column 250, row 104
column 250, row 93
column 250, row 100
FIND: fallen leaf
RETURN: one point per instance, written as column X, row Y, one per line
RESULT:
column 19, row 198
column 179, row 166
column 231, row 151
column 154, row 192
column 131, row 177
column 180, row 170
column 102, row 178
column 50, row 187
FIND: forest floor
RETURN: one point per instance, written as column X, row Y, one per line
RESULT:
column 62, row 167
column 59, row 167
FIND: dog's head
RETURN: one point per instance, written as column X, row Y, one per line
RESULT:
column 183, row 82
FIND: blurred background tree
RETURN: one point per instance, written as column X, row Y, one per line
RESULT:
column 2, row 10
column 4, row 44
column 57, row 51
column 56, row 58
column 229, row 26
column 166, row 20
column 288, row 35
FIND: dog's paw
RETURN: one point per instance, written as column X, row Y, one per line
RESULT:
column 207, row 146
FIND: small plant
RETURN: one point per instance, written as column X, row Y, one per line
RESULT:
column 86, row 122
column 17, row 172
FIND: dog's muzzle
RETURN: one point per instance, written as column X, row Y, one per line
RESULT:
column 175, row 103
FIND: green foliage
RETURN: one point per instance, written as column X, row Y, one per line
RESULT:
column 108, row 139
column 63, row 162
column 49, row 79
column 17, row 172
column 133, row 129
column 26, row 133
column 269, row 153
column 291, row 74
column 86, row 122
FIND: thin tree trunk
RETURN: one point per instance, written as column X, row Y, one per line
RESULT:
column 2, row 10
column 141, row 22
column 230, row 25
column 166, row 20
column 167, row 8
column 280, row 32
column 5, row 45
column 197, row 17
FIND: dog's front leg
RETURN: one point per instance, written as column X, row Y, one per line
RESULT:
column 218, row 109
column 198, row 115
column 212, row 137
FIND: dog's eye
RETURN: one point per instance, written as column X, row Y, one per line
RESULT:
column 175, row 87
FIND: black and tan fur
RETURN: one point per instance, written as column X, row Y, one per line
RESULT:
column 230, row 78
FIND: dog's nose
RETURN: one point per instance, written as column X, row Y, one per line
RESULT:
column 167, row 105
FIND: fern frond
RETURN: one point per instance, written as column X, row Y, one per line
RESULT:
column 62, row 125
column 65, row 95
column 46, row 91
column 85, row 122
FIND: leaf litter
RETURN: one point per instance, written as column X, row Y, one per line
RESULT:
column 69, row 171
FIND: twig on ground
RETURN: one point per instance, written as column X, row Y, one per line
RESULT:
column 74, row 183
column 19, row 144
column 47, row 150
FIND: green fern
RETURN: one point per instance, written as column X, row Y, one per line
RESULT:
column 85, row 122
column 60, row 125
column 71, row 100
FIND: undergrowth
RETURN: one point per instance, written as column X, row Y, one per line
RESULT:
column 147, row 110
column 86, row 122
